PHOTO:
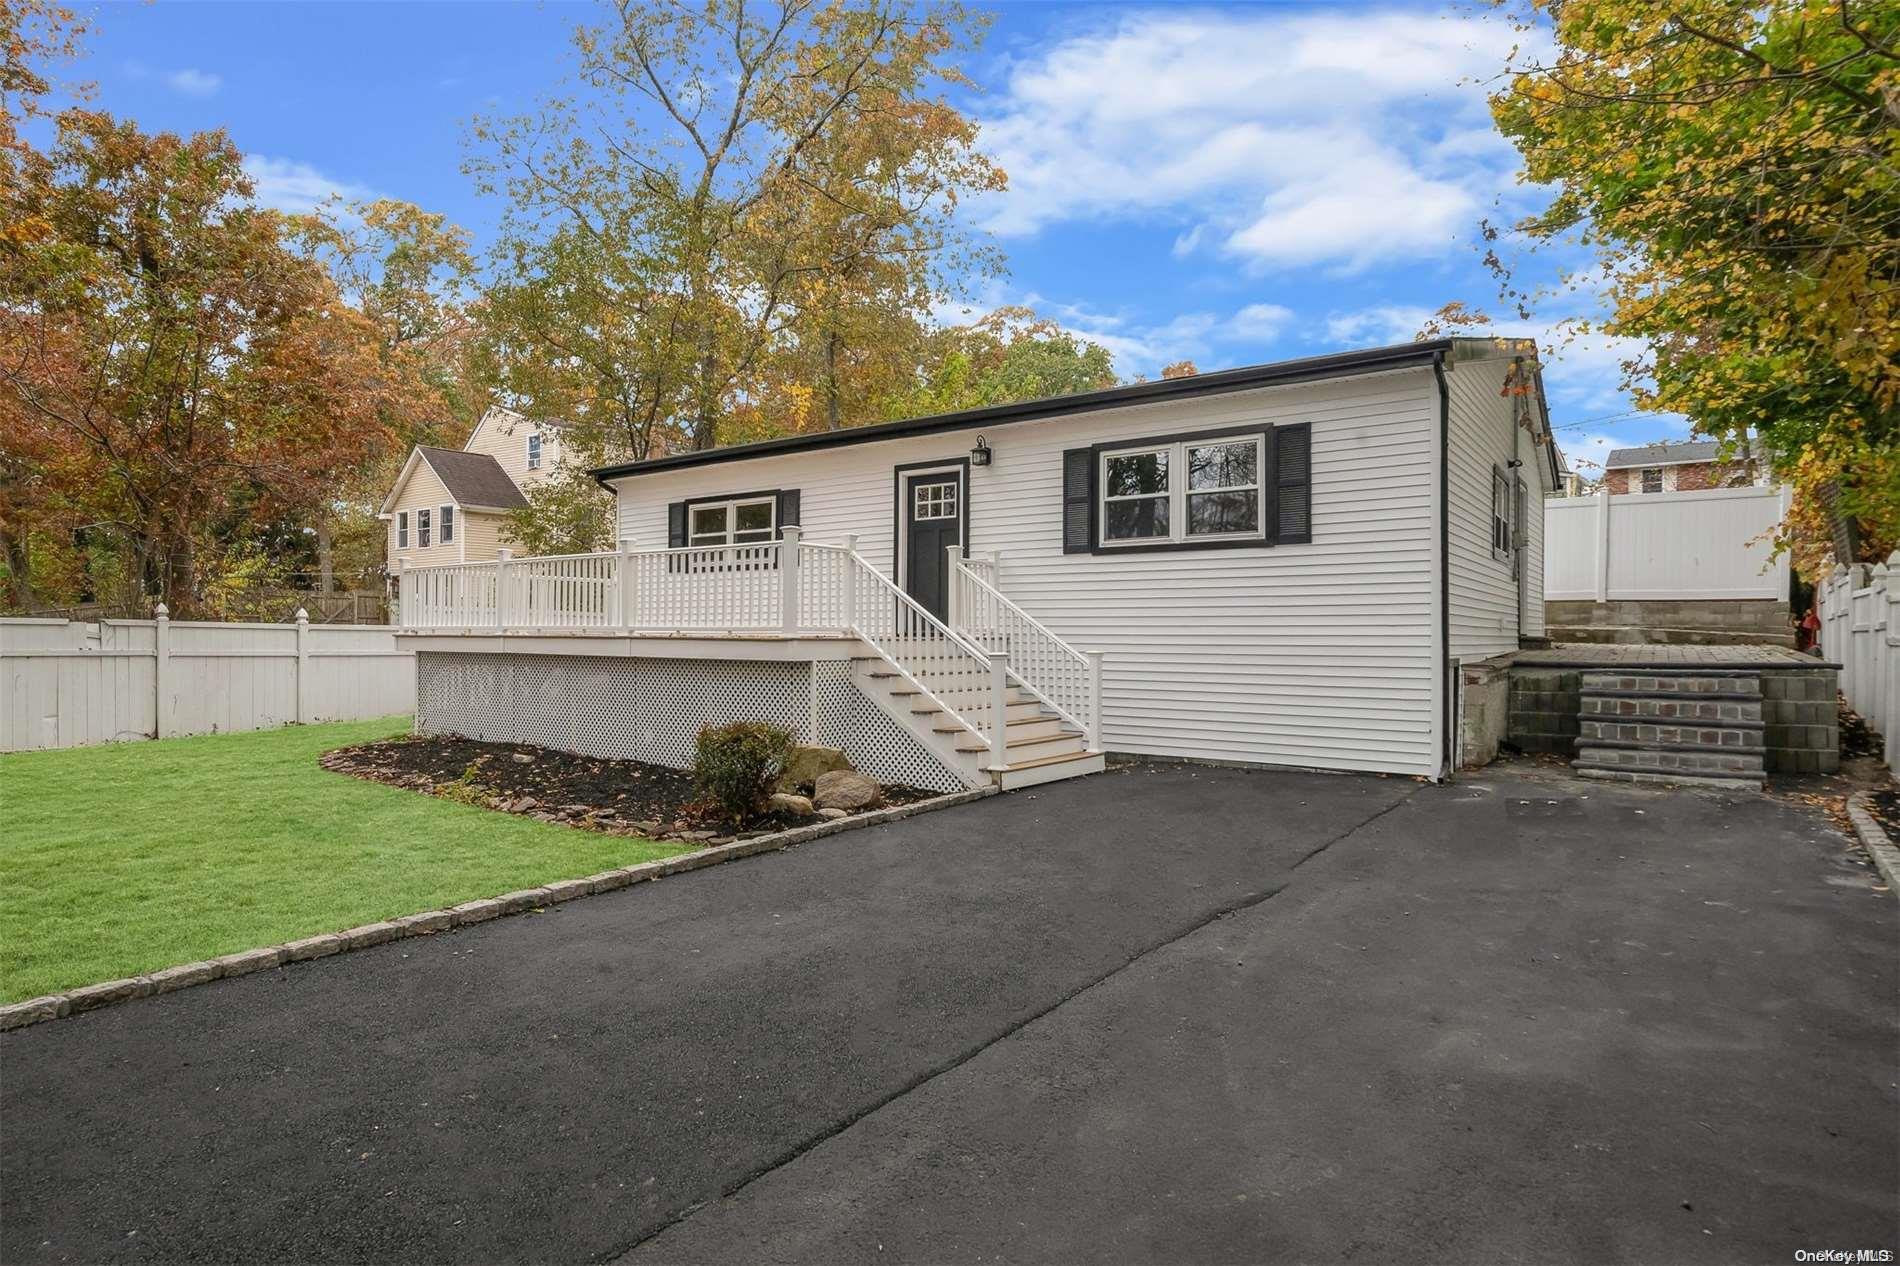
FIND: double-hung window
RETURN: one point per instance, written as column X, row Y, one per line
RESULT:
column 1500, row 514
column 446, row 525
column 402, row 529
column 534, row 450
column 753, row 521
column 422, row 529
column 1196, row 490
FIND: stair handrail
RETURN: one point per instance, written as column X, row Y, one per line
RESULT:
column 978, row 660
column 1065, row 678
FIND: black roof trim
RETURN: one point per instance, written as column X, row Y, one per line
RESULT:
column 1310, row 367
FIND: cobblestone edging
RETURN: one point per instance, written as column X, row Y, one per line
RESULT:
column 91, row 997
column 1885, row 853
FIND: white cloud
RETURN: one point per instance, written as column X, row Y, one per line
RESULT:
column 1282, row 138
column 1259, row 322
column 288, row 185
column 194, row 83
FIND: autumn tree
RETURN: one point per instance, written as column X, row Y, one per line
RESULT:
column 729, row 189
column 1007, row 355
column 1734, row 167
column 193, row 372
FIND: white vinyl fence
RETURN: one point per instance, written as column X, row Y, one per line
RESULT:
column 67, row 683
column 1716, row 543
column 1860, row 630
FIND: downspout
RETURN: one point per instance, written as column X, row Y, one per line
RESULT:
column 1450, row 693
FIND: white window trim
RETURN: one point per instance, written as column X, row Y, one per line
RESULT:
column 533, row 448
column 731, row 509
column 445, row 525
column 1500, row 515
column 402, row 529
column 422, row 529
column 1178, row 492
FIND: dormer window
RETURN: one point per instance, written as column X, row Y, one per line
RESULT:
column 534, row 450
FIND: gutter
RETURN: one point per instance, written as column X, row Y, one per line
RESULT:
column 1307, row 369
column 1447, row 718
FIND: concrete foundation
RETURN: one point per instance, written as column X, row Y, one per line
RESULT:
column 1484, row 710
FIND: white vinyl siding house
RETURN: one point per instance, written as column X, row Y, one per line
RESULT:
column 1283, row 565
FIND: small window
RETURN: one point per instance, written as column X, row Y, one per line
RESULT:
column 402, row 529
column 422, row 529
column 733, row 522
column 934, row 501
column 448, row 524
column 534, row 450
column 1652, row 479
column 1182, row 492
column 1500, row 514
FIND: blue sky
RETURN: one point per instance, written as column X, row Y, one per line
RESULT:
column 1228, row 184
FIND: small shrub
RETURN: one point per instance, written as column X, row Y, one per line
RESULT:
column 739, row 764
column 465, row 790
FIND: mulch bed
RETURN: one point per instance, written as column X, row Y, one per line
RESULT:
column 619, row 797
column 1856, row 738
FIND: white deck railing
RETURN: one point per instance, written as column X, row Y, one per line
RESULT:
column 787, row 587
column 1066, row 679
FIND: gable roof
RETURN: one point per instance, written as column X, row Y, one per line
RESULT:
column 1664, row 455
column 475, row 481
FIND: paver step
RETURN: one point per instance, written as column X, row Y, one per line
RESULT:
column 1714, row 683
column 1698, row 762
column 1684, row 709
column 1703, row 734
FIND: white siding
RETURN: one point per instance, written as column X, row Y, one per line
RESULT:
column 1484, row 593
column 504, row 436
column 1319, row 654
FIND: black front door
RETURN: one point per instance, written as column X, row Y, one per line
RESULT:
column 933, row 521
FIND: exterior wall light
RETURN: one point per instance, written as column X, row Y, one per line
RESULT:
column 980, row 455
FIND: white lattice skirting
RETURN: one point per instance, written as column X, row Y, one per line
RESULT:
column 651, row 709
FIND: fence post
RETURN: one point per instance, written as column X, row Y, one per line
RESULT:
column 788, row 578
column 623, row 579
column 1892, row 652
column 999, row 709
column 1874, row 710
column 501, row 588
column 1095, row 700
column 161, row 669
column 1603, row 545
column 850, row 572
column 403, row 596
column 303, row 667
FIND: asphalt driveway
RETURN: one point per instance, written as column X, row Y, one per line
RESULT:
column 1153, row 1015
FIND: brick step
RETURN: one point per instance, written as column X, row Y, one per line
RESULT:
column 1735, row 766
column 1711, row 735
column 1678, row 709
column 1719, row 683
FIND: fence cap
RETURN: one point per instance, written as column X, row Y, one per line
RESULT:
column 162, row 612
column 302, row 616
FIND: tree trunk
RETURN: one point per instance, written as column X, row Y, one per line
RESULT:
column 834, row 413
column 19, row 561
column 326, row 557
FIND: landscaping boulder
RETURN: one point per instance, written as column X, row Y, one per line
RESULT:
column 832, row 815
column 846, row 789
column 804, row 763
column 790, row 802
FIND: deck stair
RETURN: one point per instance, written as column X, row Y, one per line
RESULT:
column 1041, row 746
column 1699, row 727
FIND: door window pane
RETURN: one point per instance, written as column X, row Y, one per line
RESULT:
column 934, row 501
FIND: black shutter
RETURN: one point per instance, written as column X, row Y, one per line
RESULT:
column 676, row 525
column 1078, row 501
column 1293, row 483
column 787, row 507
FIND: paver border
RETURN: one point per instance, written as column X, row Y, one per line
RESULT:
column 170, row 979
column 1874, row 839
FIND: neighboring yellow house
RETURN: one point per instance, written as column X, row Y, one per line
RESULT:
column 451, row 505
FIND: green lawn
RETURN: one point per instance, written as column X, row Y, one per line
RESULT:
column 127, row 857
